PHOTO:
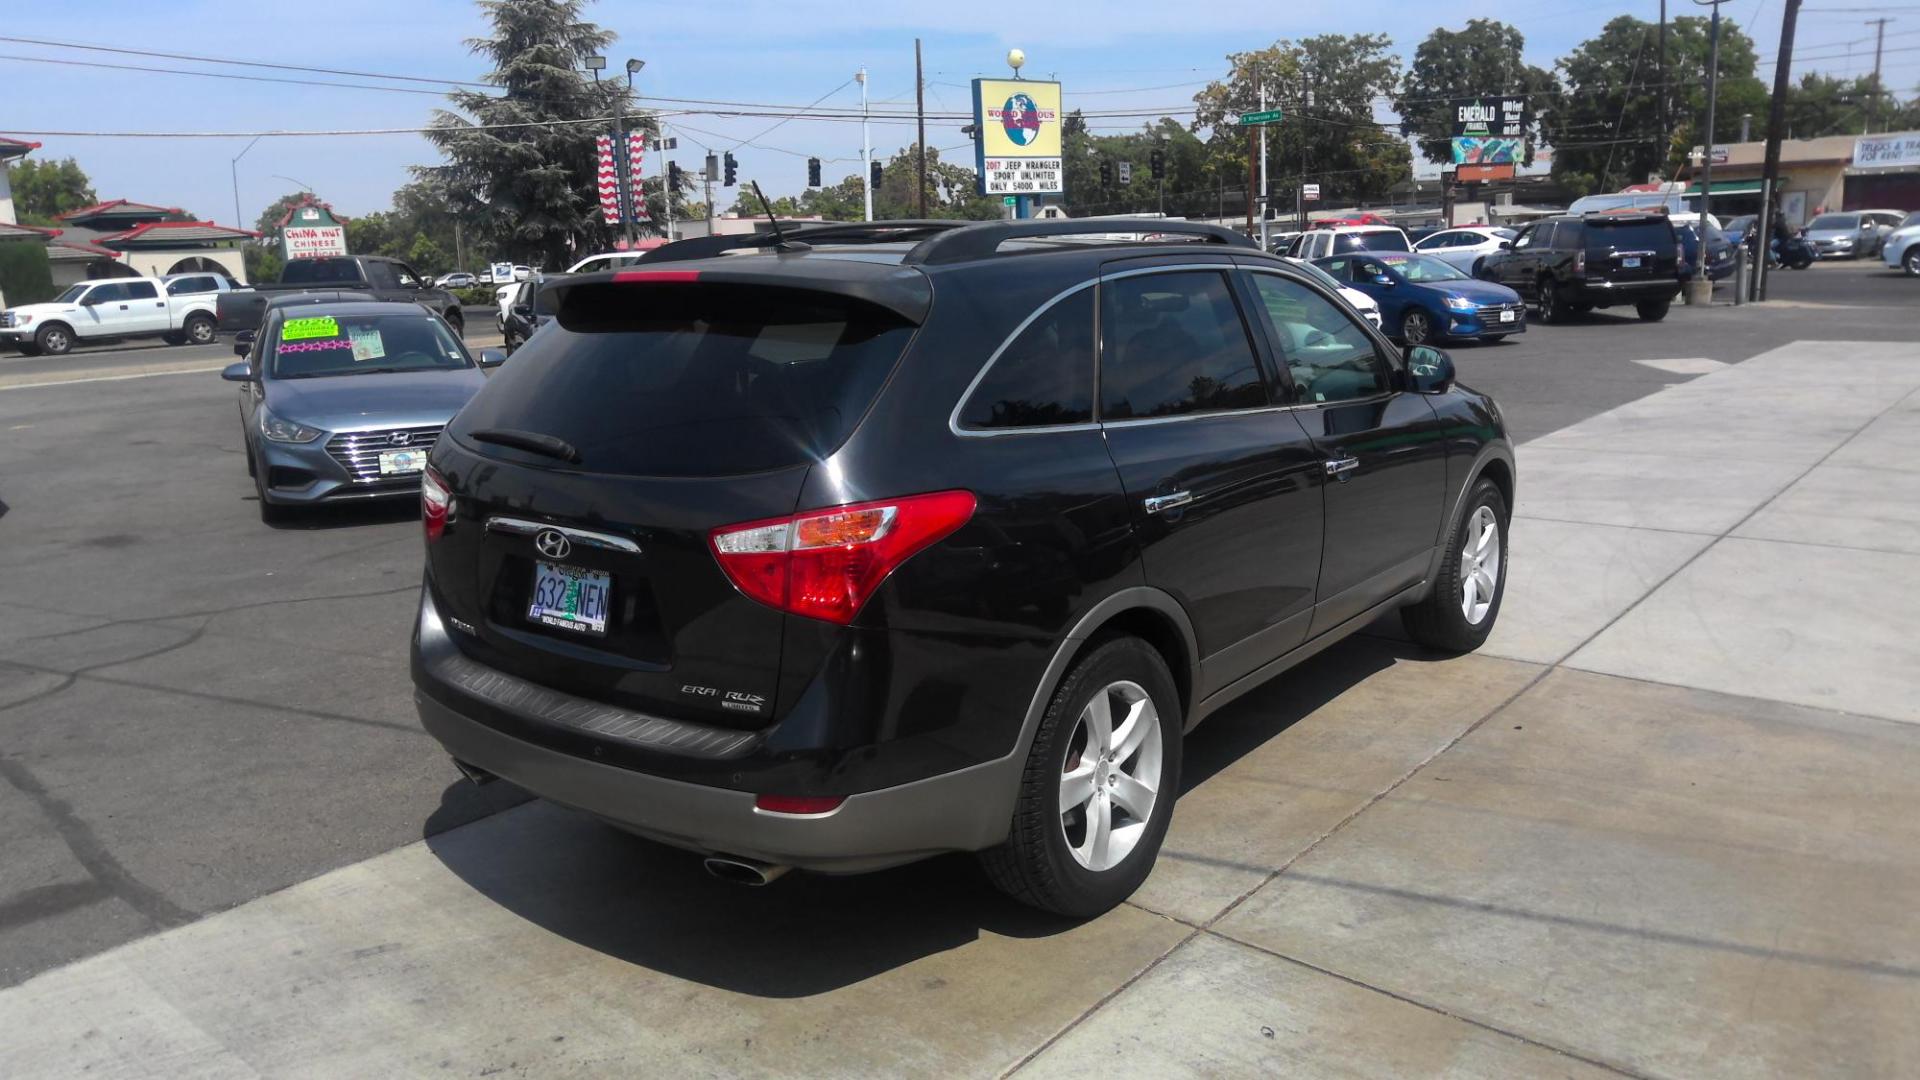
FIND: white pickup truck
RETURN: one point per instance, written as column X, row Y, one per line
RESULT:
column 178, row 308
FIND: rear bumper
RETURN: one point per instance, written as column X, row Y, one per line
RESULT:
column 1602, row 293
column 965, row 810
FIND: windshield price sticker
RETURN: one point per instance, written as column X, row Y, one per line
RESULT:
column 366, row 344
column 1021, row 176
column 302, row 329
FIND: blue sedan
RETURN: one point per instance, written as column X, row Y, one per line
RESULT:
column 1423, row 299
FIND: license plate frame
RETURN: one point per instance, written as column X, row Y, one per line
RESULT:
column 402, row 462
column 570, row 598
column 1506, row 316
column 1631, row 262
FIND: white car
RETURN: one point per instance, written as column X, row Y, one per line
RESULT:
column 606, row 260
column 503, row 296
column 1356, row 299
column 1901, row 249
column 178, row 309
column 1463, row 248
column 1322, row 241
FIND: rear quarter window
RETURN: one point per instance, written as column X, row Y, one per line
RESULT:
column 1044, row 376
column 1654, row 236
column 694, row 380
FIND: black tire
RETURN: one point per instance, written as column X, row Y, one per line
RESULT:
column 1653, row 310
column 1416, row 328
column 1910, row 262
column 199, row 330
column 27, row 348
column 173, row 338
column 1552, row 310
column 270, row 514
column 1035, row 866
column 1479, row 265
column 1439, row 621
column 252, row 469
column 54, row 339
column 458, row 322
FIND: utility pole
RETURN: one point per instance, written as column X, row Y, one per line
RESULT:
column 920, row 140
column 1746, row 127
column 1701, row 291
column 1263, row 169
column 1879, row 38
column 1666, row 92
column 1306, row 102
column 1776, row 130
column 866, row 144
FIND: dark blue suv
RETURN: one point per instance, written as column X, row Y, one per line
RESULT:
column 850, row 546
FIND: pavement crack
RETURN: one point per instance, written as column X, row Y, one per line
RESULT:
column 47, row 901
column 92, row 854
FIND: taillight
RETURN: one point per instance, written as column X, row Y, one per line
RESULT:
column 436, row 504
column 798, row 804
column 824, row 564
column 628, row 277
column 1580, row 261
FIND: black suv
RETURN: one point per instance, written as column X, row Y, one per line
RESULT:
column 1578, row 263
column 868, row 542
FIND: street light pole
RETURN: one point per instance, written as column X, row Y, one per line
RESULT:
column 866, row 145
column 233, row 167
column 1702, row 289
column 1263, row 170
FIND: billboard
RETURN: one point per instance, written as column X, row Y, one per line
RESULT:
column 1017, row 137
column 1880, row 151
column 1476, row 150
column 313, row 241
column 1497, row 115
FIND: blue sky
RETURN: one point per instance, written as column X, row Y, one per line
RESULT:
column 1115, row 54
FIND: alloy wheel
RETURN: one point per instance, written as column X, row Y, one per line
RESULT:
column 1911, row 263
column 1111, row 777
column 1414, row 328
column 200, row 331
column 1479, row 565
column 54, row 341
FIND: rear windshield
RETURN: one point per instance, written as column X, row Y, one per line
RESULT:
column 1643, row 235
column 694, row 380
column 1835, row 221
column 1370, row 240
column 302, row 271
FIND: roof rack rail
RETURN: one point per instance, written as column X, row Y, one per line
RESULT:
column 984, row 239
column 702, row 247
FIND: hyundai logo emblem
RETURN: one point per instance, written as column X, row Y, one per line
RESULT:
column 400, row 438
column 553, row 543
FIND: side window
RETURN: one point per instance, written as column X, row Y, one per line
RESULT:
column 141, row 290
column 409, row 279
column 1371, row 271
column 1174, row 343
column 381, row 276
column 189, row 286
column 1341, row 269
column 108, row 294
column 1525, row 239
column 1042, row 377
column 1329, row 357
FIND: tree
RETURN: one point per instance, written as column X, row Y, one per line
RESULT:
column 1826, row 105
column 268, row 223
column 1344, row 148
column 522, row 168
column 1483, row 59
column 1605, row 123
column 950, row 193
column 42, row 190
column 1191, row 187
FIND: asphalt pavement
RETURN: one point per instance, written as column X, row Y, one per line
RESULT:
column 199, row 713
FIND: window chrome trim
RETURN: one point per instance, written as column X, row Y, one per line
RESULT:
column 953, row 418
column 524, row 527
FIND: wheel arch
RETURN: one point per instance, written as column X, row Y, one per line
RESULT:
column 1141, row 611
column 1494, row 462
column 63, row 324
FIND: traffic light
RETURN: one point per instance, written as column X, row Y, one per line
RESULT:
column 673, row 176
column 1158, row 163
column 732, row 168
column 1106, row 173
column 873, row 173
column 813, row 172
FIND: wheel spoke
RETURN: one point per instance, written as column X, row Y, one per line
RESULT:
column 1133, row 730
column 1099, row 832
column 1483, row 583
column 1076, row 787
column 1133, row 796
column 1489, row 536
column 1469, row 589
column 1099, row 720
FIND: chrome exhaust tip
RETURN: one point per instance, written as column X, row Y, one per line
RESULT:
column 740, row 871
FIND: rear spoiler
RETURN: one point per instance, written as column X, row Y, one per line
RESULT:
column 904, row 292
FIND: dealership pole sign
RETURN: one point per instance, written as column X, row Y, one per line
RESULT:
column 1017, row 141
column 1490, row 129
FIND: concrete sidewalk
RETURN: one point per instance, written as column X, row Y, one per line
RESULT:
column 1664, row 824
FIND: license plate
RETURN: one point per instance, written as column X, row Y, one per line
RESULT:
column 402, row 461
column 570, row 598
column 1506, row 316
column 1631, row 262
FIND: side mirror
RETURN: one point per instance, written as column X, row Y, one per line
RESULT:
column 1429, row 370
column 1506, row 245
column 491, row 358
column 243, row 342
column 1382, row 279
column 525, row 311
column 236, row 373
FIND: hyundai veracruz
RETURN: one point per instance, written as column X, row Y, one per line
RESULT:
column 846, row 548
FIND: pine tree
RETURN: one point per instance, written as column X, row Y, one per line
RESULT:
column 532, row 190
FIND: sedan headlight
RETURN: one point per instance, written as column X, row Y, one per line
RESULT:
column 1461, row 303
column 279, row 430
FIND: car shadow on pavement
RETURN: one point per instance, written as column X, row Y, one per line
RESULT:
column 656, row 907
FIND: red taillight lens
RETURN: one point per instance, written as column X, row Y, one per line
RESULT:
column 628, row 277
column 798, row 804
column 1579, row 262
column 436, row 503
column 824, row 564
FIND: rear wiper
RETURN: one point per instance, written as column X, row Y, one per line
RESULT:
column 531, row 441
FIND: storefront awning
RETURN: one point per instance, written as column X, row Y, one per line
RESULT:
column 1731, row 187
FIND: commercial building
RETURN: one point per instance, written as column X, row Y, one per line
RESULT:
column 1835, row 172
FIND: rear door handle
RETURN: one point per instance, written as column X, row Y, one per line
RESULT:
column 1340, row 467
column 1158, row 504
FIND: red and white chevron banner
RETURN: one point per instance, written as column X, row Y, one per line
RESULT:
column 636, row 157
column 609, row 181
